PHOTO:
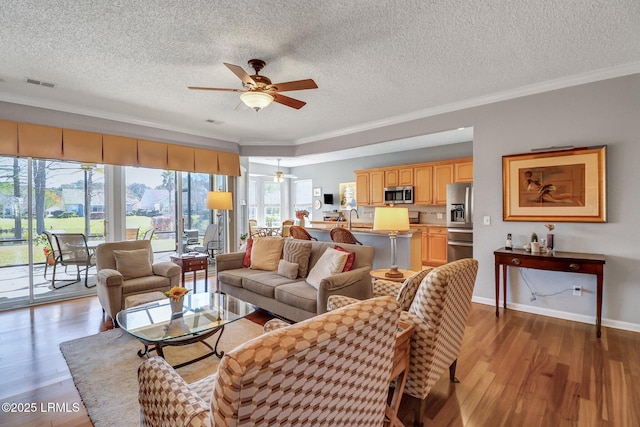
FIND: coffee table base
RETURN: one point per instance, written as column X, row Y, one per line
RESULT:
column 150, row 346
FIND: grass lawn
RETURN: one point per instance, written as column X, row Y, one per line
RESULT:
column 16, row 253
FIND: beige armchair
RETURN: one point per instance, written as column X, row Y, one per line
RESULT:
column 127, row 268
column 330, row 370
column 439, row 314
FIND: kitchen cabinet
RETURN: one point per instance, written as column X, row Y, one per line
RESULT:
column 463, row 171
column 391, row 178
column 442, row 175
column 423, row 185
column 362, row 188
column 429, row 181
column 436, row 245
column 376, row 188
column 401, row 177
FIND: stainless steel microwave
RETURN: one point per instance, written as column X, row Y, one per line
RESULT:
column 398, row 195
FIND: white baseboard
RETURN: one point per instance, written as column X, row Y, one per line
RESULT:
column 610, row 323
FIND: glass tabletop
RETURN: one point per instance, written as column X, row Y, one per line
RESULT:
column 154, row 321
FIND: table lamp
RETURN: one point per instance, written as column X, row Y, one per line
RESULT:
column 220, row 201
column 392, row 219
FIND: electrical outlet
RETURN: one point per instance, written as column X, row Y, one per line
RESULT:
column 439, row 216
column 577, row 291
column 487, row 220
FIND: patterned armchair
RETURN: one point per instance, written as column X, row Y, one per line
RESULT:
column 439, row 313
column 404, row 292
column 332, row 369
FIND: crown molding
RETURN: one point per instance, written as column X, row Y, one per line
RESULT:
column 533, row 89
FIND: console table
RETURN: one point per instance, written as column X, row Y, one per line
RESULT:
column 569, row 262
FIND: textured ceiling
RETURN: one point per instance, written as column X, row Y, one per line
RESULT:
column 373, row 61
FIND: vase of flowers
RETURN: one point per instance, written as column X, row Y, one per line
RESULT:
column 301, row 215
column 176, row 298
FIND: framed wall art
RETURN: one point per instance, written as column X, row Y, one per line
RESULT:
column 317, row 191
column 347, row 196
column 555, row 186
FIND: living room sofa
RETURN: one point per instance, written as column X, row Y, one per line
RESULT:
column 293, row 298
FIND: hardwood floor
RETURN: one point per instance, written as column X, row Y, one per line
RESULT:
column 518, row 370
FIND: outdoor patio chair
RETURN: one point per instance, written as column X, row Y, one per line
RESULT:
column 148, row 235
column 71, row 249
column 131, row 233
column 211, row 242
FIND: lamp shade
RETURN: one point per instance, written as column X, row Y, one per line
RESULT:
column 391, row 219
column 256, row 100
column 222, row 200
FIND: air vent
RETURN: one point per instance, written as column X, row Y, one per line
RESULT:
column 40, row 83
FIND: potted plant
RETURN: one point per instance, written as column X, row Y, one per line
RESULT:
column 42, row 240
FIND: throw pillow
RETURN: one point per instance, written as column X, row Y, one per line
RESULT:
column 246, row 262
column 298, row 251
column 265, row 253
column 288, row 269
column 351, row 259
column 331, row 262
column 133, row 264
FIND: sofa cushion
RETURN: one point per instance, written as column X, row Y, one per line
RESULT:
column 142, row 284
column 331, row 262
column 133, row 263
column 351, row 259
column 288, row 269
column 264, row 283
column 266, row 252
column 234, row 277
column 298, row 294
column 246, row 262
column 298, row 251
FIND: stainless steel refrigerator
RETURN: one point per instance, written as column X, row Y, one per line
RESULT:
column 459, row 221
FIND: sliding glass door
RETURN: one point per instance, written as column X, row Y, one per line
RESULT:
column 38, row 195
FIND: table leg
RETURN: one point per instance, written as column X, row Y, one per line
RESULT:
column 195, row 282
column 600, row 280
column 206, row 277
column 504, row 285
column 497, row 279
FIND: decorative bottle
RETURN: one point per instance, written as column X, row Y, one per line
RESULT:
column 508, row 244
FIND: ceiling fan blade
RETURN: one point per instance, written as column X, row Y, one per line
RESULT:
column 215, row 88
column 295, row 85
column 289, row 102
column 241, row 73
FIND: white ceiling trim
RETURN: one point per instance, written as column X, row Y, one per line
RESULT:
column 561, row 83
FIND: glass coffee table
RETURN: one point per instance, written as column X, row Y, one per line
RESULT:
column 202, row 316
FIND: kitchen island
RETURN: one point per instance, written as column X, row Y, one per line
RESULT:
column 408, row 245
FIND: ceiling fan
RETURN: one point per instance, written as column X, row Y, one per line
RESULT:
column 279, row 176
column 260, row 92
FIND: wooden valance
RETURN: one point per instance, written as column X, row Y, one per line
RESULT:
column 47, row 142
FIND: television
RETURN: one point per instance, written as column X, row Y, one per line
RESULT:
column 328, row 199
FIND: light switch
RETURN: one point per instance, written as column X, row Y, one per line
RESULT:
column 487, row 220
column 439, row 216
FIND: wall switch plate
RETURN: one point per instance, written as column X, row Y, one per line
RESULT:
column 487, row 220
column 439, row 216
column 577, row 291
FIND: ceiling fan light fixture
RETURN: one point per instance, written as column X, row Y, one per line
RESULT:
column 278, row 177
column 256, row 100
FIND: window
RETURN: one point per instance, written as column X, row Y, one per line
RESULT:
column 302, row 196
column 272, row 204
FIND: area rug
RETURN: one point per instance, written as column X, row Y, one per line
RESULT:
column 104, row 368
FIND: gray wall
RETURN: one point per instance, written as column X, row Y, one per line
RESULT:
column 605, row 112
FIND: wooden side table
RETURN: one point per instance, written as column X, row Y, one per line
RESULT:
column 193, row 263
column 400, row 370
column 379, row 274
